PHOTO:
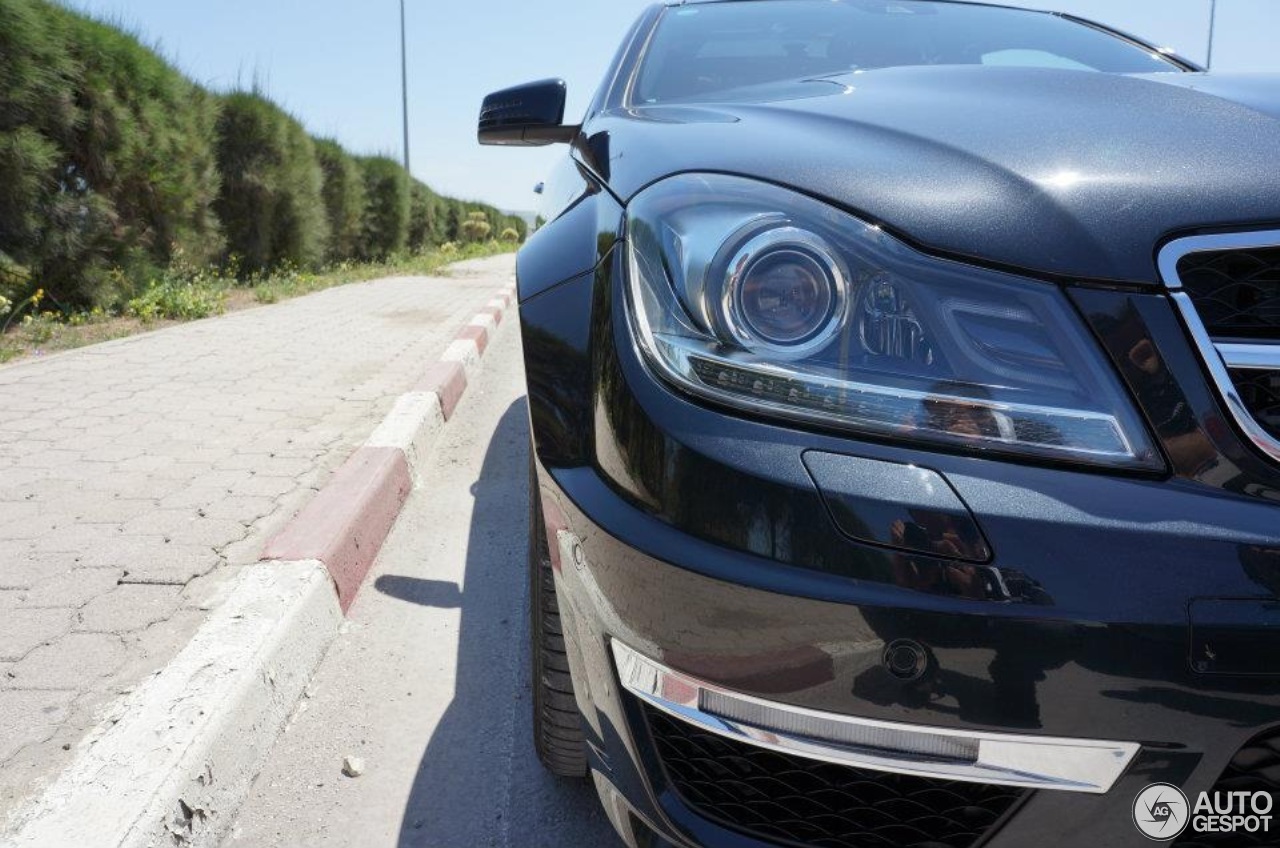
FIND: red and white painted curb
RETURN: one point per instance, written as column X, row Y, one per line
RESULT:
column 183, row 749
column 345, row 525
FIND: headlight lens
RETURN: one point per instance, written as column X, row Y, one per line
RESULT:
column 785, row 292
column 766, row 300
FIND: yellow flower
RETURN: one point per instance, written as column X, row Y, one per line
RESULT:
column 37, row 297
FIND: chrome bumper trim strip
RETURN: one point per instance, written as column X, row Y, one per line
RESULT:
column 1036, row 762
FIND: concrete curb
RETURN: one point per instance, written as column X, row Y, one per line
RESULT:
column 188, row 743
column 345, row 525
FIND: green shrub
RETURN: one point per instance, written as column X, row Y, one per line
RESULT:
column 386, row 214
column 422, row 212
column 177, row 301
column 454, row 216
column 148, row 143
column 271, row 202
column 38, row 124
column 105, row 155
column 520, row 225
column 476, row 227
column 181, row 296
column 509, row 234
column 344, row 199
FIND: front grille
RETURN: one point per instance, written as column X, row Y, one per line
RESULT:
column 1260, row 391
column 1254, row 768
column 1236, row 292
column 794, row 801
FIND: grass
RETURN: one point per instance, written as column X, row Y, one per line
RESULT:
column 190, row 294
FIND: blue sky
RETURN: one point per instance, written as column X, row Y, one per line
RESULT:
column 336, row 63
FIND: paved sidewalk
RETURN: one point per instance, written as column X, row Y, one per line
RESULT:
column 137, row 476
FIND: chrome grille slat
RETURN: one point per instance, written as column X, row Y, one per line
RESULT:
column 1227, row 289
column 1260, row 391
column 1237, row 292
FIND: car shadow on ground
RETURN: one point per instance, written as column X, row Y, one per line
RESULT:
column 479, row 782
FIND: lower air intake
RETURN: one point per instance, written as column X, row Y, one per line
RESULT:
column 794, row 801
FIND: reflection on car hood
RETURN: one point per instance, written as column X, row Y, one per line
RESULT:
column 1067, row 173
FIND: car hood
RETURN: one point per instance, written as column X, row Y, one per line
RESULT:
column 1065, row 173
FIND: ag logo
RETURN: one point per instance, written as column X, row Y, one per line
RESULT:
column 1161, row 812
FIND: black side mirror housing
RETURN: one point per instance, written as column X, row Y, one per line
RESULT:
column 529, row 115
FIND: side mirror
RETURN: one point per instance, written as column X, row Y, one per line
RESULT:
column 528, row 115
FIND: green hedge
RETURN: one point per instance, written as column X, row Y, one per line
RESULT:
column 386, row 217
column 115, row 167
column 425, row 210
column 272, row 200
column 344, row 199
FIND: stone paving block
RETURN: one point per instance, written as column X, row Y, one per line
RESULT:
column 25, row 529
column 212, row 531
column 72, row 589
column 127, row 552
column 267, row 486
column 21, row 631
column 227, row 481
column 193, row 497
column 245, row 509
column 12, row 514
column 72, row 662
column 176, row 565
column 64, row 533
column 110, row 510
column 161, row 522
column 25, row 714
column 24, row 568
column 128, row 608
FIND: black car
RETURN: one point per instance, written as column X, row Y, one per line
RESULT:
column 904, row 379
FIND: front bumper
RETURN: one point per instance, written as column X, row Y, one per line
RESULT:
column 1081, row 679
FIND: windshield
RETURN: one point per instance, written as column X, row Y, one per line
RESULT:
column 700, row 52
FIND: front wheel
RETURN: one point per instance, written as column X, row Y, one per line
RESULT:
column 557, row 724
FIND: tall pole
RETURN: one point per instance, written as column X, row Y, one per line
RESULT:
column 1213, row 23
column 405, row 81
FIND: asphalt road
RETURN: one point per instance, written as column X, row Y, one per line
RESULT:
column 429, row 685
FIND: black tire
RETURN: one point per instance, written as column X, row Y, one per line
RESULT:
column 557, row 723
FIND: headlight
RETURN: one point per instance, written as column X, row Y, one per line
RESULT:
column 756, row 297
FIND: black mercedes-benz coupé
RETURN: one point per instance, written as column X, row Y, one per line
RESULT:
column 904, row 379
